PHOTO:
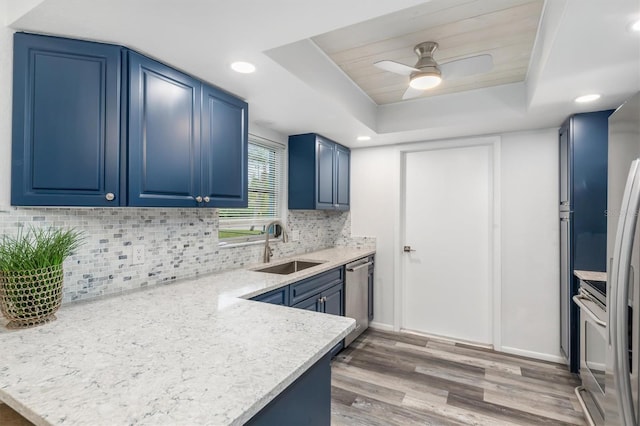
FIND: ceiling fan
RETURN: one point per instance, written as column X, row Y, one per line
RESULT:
column 427, row 73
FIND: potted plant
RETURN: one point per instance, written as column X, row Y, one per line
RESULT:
column 31, row 275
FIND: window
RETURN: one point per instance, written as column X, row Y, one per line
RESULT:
column 265, row 193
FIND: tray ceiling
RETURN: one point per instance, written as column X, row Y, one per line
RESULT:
column 506, row 29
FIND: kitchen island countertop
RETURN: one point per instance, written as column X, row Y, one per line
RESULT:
column 190, row 352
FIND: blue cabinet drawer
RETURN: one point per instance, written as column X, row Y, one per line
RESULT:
column 306, row 288
column 279, row 296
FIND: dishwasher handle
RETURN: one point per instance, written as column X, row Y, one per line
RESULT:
column 362, row 265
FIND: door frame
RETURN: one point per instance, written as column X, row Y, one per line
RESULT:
column 495, row 276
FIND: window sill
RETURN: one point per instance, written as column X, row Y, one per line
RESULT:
column 224, row 245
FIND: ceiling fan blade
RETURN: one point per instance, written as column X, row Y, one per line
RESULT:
column 395, row 67
column 412, row 93
column 466, row 67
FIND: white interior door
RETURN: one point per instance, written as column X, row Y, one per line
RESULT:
column 448, row 212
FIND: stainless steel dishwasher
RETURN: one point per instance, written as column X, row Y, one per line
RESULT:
column 357, row 297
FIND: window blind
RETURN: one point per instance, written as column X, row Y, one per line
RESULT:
column 264, row 182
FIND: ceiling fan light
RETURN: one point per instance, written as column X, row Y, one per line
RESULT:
column 424, row 81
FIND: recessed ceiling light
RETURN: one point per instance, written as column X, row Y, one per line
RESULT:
column 364, row 138
column 243, row 67
column 635, row 26
column 587, row 98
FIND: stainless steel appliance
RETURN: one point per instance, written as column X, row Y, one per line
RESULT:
column 623, row 254
column 357, row 296
column 591, row 300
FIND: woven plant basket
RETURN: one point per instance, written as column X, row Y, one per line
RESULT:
column 29, row 298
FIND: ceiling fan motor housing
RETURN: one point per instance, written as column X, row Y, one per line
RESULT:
column 426, row 64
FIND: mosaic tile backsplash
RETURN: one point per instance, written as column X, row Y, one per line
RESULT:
column 179, row 243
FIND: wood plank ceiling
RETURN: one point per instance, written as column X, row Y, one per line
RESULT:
column 506, row 29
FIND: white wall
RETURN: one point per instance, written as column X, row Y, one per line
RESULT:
column 529, row 226
column 530, row 243
column 6, row 72
column 375, row 194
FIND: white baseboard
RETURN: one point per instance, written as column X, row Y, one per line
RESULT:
column 380, row 326
column 506, row 349
column 537, row 355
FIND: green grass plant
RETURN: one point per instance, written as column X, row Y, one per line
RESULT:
column 37, row 248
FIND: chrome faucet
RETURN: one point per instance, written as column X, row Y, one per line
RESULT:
column 268, row 252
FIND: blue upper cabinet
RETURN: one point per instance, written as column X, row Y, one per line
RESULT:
column 66, row 122
column 164, row 135
column 318, row 173
column 188, row 141
column 224, row 149
column 342, row 181
column 100, row 125
column 325, row 174
column 584, row 151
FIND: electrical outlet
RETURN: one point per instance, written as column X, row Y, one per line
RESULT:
column 137, row 256
column 295, row 235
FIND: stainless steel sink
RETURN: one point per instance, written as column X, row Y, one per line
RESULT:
column 289, row 267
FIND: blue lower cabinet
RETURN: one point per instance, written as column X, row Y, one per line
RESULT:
column 333, row 300
column 278, row 296
column 66, row 122
column 337, row 348
column 321, row 293
column 306, row 402
column 304, row 289
column 311, row 304
column 370, row 283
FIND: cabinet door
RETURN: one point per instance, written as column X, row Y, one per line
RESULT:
column 224, row 149
column 343, row 158
column 370, row 282
column 565, row 169
column 333, row 300
column 66, row 122
column 325, row 172
column 164, row 135
column 278, row 296
column 311, row 304
column 566, row 274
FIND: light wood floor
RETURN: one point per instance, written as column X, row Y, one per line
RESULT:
column 401, row 379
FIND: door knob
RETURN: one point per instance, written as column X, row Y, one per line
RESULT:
column 206, row 199
column 407, row 249
column 199, row 199
column 110, row 196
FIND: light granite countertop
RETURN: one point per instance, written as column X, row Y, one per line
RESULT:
column 590, row 275
column 191, row 352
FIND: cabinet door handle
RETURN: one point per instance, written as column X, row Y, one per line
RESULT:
column 110, row 196
column 206, row 199
column 199, row 199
